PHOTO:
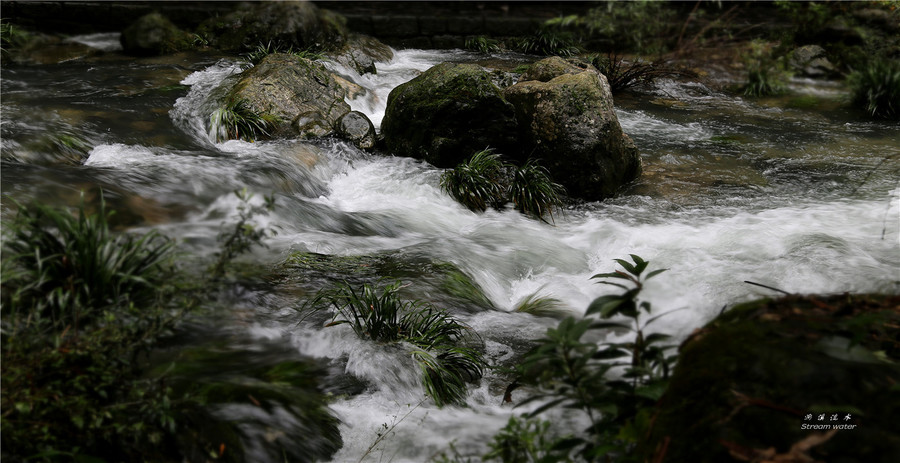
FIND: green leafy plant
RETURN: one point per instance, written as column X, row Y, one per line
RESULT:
column 441, row 345
column 263, row 50
column 478, row 182
column 527, row 440
column 533, row 192
column 642, row 26
column 483, row 44
column 237, row 120
column 876, row 88
column 486, row 181
column 765, row 74
column 540, row 306
column 243, row 235
column 623, row 75
column 79, row 303
column 615, row 384
column 549, row 40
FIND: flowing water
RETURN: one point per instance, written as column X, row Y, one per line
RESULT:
column 734, row 190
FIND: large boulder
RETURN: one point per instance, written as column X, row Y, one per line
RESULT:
column 361, row 52
column 799, row 379
column 154, row 34
column 286, row 86
column 811, row 61
column 568, row 123
column 447, row 113
column 356, row 128
column 297, row 24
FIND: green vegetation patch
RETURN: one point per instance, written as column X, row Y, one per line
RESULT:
column 876, row 88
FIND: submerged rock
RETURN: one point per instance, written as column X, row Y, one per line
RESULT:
column 813, row 378
column 356, row 128
column 567, row 121
column 286, row 86
column 362, row 52
column 447, row 113
column 154, row 34
column 297, row 24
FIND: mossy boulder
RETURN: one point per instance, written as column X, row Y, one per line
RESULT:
column 796, row 379
column 554, row 66
column 447, row 113
column 297, row 24
column 569, row 124
column 361, row 52
column 154, row 34
column 287, row 86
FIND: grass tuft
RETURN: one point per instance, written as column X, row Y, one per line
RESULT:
column 263, row 50
column 549, row 41
column 440, row 342
column 876, row 88
column 237, row 120
column 533, row 192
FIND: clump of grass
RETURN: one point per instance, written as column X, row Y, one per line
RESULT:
column 237, row 120
column 440, row 342
column 549, row 41
column 78, row 305
column 533, row 192
column 66, row 269
column 876, row 88
column 540, row 306
column 765, row 75
column 483, row 44
column 262, row 50
column 486, row 181
column 623, row 75
column 477, row 183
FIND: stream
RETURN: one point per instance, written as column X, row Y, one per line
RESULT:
column 770, row 191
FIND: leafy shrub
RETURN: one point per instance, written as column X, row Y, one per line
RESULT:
column 486, row 181
column 765, row 75
column 483, row 44
column 237, row 120
column 578, row 374
column 524, row 440
column 641, row 26
column 79, row 303
column 876, row 88
column 440, row 342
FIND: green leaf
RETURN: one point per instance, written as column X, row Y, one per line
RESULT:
column 654, row 273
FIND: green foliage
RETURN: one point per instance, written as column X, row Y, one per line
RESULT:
column 477, row 183
column 549, row 40
column 243, row 236
column 876, row 88
column 527, row 441
column 440, row 342
column 614, row 384
column 622, row 76
column 540, row 306
column 263, row 50
column 765, row 74
column 533, row 193
column 483, row 44
column 61, row 270
column 11, row 36
column 808, row 18
column 485, row 181
column 79, row 304
column 237, row 120
column 643, row 26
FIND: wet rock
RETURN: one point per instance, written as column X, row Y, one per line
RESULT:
column 311, row 124
column 547, row 69
column 447, row 113
column 297, row 24
column 568, row 123
column 36, row 48
column 154, row 34
column 286, row 86
column 766, row 378
column 811, row 61
column 362, row 52
column 356, row 128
